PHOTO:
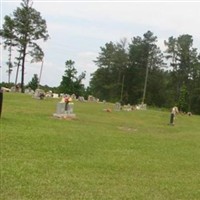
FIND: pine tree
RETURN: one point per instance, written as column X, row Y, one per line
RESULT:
column 28, row 27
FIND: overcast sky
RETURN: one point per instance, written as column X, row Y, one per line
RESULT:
column 78, row 29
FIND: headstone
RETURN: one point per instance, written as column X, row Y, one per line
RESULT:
column 127, row 107
column 117, row 106
column 5, row 89
column 60, row 108
column 55, row 95
column 73, row 96
column 70, row 108
column 16, row 88
column 141, row 107
column 39, row 94
column 81, row 98
column 29, row 91
column 91, row 98
column 64, row 110
column 49, row 94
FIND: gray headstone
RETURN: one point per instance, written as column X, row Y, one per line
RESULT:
column 117, row 106
column 60, row 108
column 64, row 111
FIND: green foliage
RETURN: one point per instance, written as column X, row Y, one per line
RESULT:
column 106, row 82
column 146, row 65
column 24, row 29
column 99, row 155
column 182, row 104
column 7, row 85
column 185, row 64
column 33, row 84
column 121, row 71
column 143, row 67
column 71, row 84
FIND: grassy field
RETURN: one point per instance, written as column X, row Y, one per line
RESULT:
column 99, row 155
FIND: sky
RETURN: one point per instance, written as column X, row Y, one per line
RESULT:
column 78, row 29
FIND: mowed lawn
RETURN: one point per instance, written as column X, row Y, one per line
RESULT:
column 99, row 155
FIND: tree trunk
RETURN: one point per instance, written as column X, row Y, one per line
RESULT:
column 23, row 69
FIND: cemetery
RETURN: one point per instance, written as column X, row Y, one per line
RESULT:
column 118, row 122
column 118, row 155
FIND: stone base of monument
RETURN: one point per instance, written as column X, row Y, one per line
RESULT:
column 62, row 113
column 65, row 116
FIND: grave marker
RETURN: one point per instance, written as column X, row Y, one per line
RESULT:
column 117, row 106
column 65, row 108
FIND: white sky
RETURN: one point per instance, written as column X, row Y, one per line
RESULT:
column 78, row 29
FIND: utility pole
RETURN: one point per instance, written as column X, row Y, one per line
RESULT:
column 122, row 88
column 40, row 74
column 145, row 82
column 17, row 72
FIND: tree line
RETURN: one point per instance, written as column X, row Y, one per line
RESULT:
column 139, row 72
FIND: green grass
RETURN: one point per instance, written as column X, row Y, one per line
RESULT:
column 98, row 155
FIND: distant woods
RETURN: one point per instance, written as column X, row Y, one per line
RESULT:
column 139, row 72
